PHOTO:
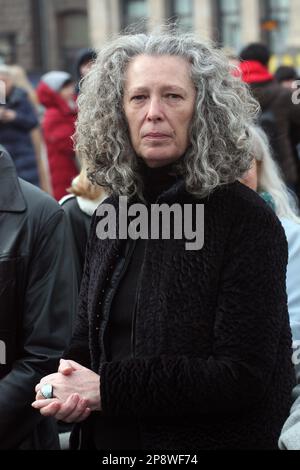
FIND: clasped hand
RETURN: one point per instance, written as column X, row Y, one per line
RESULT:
column 76, row 393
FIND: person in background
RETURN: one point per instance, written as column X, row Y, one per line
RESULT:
column 20, row 80
column 290, row 434
column 233, row 60
column 36, row 305
column 286, row 76
column 56, row 93
column 174, row 349
column 279, row 114
column 85, row 60
column 79, row 206
column 264, row 177
column 18, row 119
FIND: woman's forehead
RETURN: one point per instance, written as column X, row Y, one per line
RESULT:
column 146, row 70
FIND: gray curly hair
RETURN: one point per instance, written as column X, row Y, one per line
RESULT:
column 219, row 150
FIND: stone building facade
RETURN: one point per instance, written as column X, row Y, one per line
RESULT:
column 42, row 35
column 232, row 23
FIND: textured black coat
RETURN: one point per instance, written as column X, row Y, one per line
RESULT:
column 211, row 368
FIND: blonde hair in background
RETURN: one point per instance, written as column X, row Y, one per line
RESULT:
column 5, row 70
column 20, row 80
column 82, row 187
column 269, row 176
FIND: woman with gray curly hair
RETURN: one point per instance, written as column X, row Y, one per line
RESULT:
column 177, row 345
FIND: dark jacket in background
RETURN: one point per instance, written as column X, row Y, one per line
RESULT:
column 84, row 56
column 15, row 136
column 210, row 362
column 277, row 100
column 36, row 305
column 78, row 232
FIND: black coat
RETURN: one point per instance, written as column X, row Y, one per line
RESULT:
column 36, row 304
column 78, row 231
column 211, row 365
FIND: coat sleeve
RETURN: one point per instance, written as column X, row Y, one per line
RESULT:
column 26, row 118
column 45, row 332
column 251, row 316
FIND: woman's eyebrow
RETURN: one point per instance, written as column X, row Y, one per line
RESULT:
column 138, row 90
column 144, row 89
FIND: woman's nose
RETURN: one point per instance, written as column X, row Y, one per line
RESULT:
column 155, row 111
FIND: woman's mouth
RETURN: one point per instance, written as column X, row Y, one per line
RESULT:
column 156, row 136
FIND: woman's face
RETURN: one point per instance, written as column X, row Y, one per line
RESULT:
column 159, row 100
column 67, row 92
column 250, row 179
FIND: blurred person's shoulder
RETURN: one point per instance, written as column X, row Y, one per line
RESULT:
column 18, row 95
column 68, row 202
column 74, row 213
column 40, row 205
column 292, row 230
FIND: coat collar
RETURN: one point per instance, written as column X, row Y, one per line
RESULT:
column 11, row 196
column 175, row 193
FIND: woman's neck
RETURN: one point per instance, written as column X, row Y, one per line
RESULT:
column 156, row 180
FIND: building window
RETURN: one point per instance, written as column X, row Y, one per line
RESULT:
column 132, row 13
column 229, row 16
column 7, row 48
column 275, row 24
column 182, row 12
column 73, row 36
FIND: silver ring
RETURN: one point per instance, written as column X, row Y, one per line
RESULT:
column 47, row 391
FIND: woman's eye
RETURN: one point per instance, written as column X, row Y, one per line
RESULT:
column 173, row 96
column 138, row 98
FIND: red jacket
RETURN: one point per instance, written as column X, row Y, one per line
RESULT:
column 254, row 72
column 58, row 127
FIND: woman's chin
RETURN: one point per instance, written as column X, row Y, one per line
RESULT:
column 156, row 161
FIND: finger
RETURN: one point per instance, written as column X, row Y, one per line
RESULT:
column 48, row 379
column 83, row 416
column 65, row 367
column 68, row 407
column 38, row 387
column 51, row 410
column 38, row 404
column 77, row 412
column 39, row 396
column 75, row 365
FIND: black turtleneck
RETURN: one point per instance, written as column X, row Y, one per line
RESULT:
column 119, row 334
column 156, row 180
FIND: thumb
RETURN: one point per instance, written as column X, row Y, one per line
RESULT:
column 65, row 367
column 69, row 366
